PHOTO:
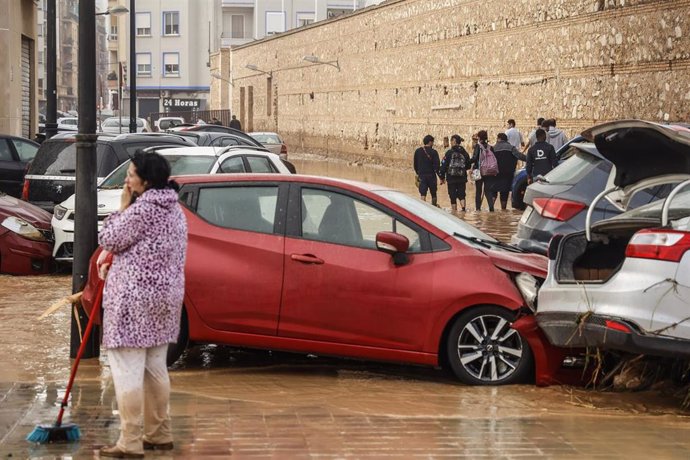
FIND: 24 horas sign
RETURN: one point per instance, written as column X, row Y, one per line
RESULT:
column 175, row 103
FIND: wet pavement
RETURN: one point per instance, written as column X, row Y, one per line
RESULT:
column 255, row 404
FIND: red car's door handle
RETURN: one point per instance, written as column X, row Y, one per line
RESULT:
column 306, row 259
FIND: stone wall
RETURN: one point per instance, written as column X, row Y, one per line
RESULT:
column 412, row 67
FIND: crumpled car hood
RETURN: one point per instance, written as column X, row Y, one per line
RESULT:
column 11, row 206
column 534, row 264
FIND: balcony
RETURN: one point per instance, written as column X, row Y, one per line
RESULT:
column 239, row 3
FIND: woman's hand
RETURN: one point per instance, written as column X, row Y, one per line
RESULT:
column 125, row 198
column 102, row 266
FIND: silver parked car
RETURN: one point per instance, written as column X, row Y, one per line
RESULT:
column 624, row 283
column 273, row 142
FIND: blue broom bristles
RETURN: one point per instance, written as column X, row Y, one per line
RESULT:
column 43, row 434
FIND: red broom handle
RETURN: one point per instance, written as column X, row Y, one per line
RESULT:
column 92, row 319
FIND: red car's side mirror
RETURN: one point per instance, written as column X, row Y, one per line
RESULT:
column 394, row 244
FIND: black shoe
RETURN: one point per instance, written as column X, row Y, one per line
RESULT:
column 163, row 446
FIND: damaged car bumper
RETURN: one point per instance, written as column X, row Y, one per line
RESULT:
column 574, row 330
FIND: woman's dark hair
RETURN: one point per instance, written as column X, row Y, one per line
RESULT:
column 483, row 135
column 458, row 139
column 428, row 138
column 154, row 169
column 502, row 137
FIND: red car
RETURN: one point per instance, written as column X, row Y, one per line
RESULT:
column 332, row 267
column 26, row 238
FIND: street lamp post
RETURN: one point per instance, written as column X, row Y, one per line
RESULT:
column 51, row 71
column 118, row 10
column 217, row 76
column 85, row 222
column 132, row 69
column 86, row 215
column 316, row 60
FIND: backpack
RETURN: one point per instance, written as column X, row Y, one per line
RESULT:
column 488, row 166
column 456, row 166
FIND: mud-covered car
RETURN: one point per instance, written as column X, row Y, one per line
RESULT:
column 624, row 282
column 26, row 239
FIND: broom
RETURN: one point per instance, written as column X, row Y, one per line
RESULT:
column 69, row 432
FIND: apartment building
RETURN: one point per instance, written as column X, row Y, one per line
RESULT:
column 18, row 104
column 173, row 41
column 67, row 54
column 247, row 20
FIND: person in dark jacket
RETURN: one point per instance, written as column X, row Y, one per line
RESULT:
column 507, row 157
column 235, row 123
column 480, row 184
column 454, row 168
column 541, row 157
column 426, row 166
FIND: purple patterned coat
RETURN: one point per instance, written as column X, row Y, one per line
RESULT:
column 144, row 289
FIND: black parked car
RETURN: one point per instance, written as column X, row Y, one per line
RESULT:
column 216, row 139
column 15, row 155
column 51, row 177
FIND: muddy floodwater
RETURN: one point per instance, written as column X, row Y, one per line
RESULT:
column 229, row 403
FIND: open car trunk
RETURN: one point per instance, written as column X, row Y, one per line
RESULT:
column 580, row 261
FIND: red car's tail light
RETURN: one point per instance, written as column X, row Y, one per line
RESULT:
column 616, row 326
column 25, row 190
column 283, row 149
column 669, row 245
column 557, row 209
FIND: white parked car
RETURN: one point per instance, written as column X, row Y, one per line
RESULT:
column 117, row 125
column 165, row 123
column 67, row 124
column 624, row 283
column 183, row 161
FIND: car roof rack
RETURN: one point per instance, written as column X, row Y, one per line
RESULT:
column 245, row 147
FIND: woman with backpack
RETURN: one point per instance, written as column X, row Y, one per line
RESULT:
column 453, row 171
column 484, row 169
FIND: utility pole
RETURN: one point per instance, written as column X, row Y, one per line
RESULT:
column 132, row 68
column 51, row 71
column 86, row 224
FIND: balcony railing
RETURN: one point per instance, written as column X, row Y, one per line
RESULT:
column 242, row 3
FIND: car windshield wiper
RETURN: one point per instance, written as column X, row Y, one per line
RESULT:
column 68, row 170
column 110, row 187
column 488, row 243
column 473, row 239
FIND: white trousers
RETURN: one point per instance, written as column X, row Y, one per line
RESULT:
column 142, row 385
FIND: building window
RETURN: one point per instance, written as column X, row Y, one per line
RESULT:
column 171, row 64
column 237, row 26
column 335, row 12
column 171, row 23
column 143, row 24
column 113, row 32
column 40, row 57
column 143, row 64
column 304, row 19
column 275, row 22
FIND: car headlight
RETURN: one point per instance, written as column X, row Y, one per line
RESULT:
column 528, row 287
column 59, row 212
column 23, row 228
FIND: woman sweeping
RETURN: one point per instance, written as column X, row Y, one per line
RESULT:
column 142, row 302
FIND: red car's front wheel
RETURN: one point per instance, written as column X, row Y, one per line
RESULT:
column 482, row 349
